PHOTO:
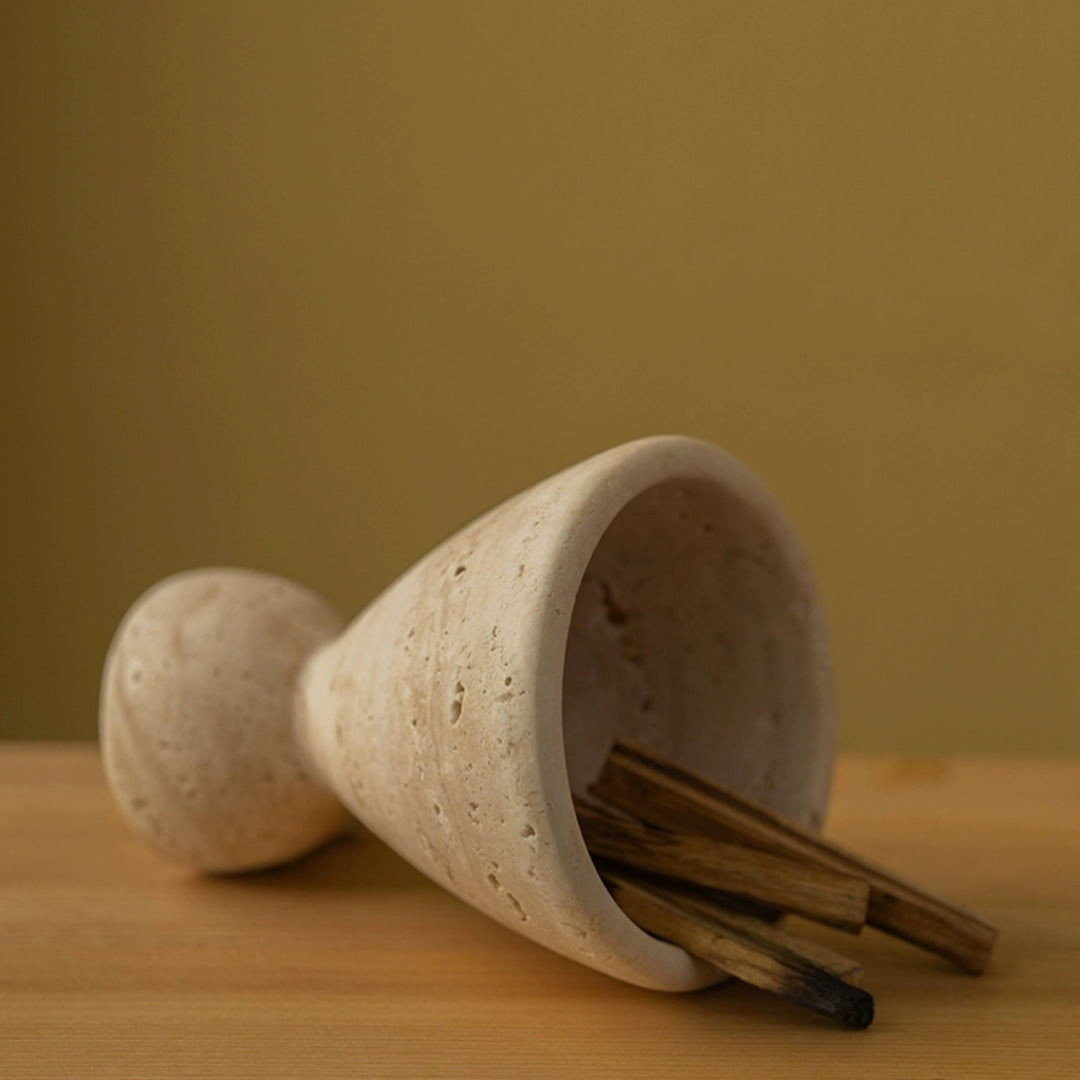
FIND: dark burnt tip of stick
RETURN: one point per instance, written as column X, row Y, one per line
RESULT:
column 849, row 1005
column 861, row 1014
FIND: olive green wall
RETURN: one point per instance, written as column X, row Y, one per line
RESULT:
column 306, row 286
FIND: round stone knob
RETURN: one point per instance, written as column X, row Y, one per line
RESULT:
column 197, row 716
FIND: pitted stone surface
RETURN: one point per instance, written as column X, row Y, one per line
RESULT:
column 197, row 719
column 655, row 590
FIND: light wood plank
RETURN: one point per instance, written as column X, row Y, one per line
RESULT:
column 114, row 964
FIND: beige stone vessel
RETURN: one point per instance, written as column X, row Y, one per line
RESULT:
column 655, row 591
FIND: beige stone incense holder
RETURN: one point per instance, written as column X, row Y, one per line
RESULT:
column 655, row 591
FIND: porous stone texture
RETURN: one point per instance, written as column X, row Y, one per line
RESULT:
column 197, row 710
column 655, row 590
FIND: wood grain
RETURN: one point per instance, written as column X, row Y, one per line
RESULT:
column 750, row 924
column 819, row 893
column 114, row 964
column 665, row 795
column 746, row 948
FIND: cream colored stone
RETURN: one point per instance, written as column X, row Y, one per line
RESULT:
column 654, row 590
column 197, row 719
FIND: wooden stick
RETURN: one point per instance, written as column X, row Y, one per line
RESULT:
column 741, row 951
column 668, row 796
column 817, row 893
column 716, row 909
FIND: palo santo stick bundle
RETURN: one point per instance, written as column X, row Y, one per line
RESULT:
column 757, row 954
column 692, row 848
column 819, row 893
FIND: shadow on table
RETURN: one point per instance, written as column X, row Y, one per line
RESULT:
column 353, row 861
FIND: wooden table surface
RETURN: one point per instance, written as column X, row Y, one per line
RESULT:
column 114, row 963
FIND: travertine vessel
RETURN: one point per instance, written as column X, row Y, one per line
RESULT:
column 654, row 590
